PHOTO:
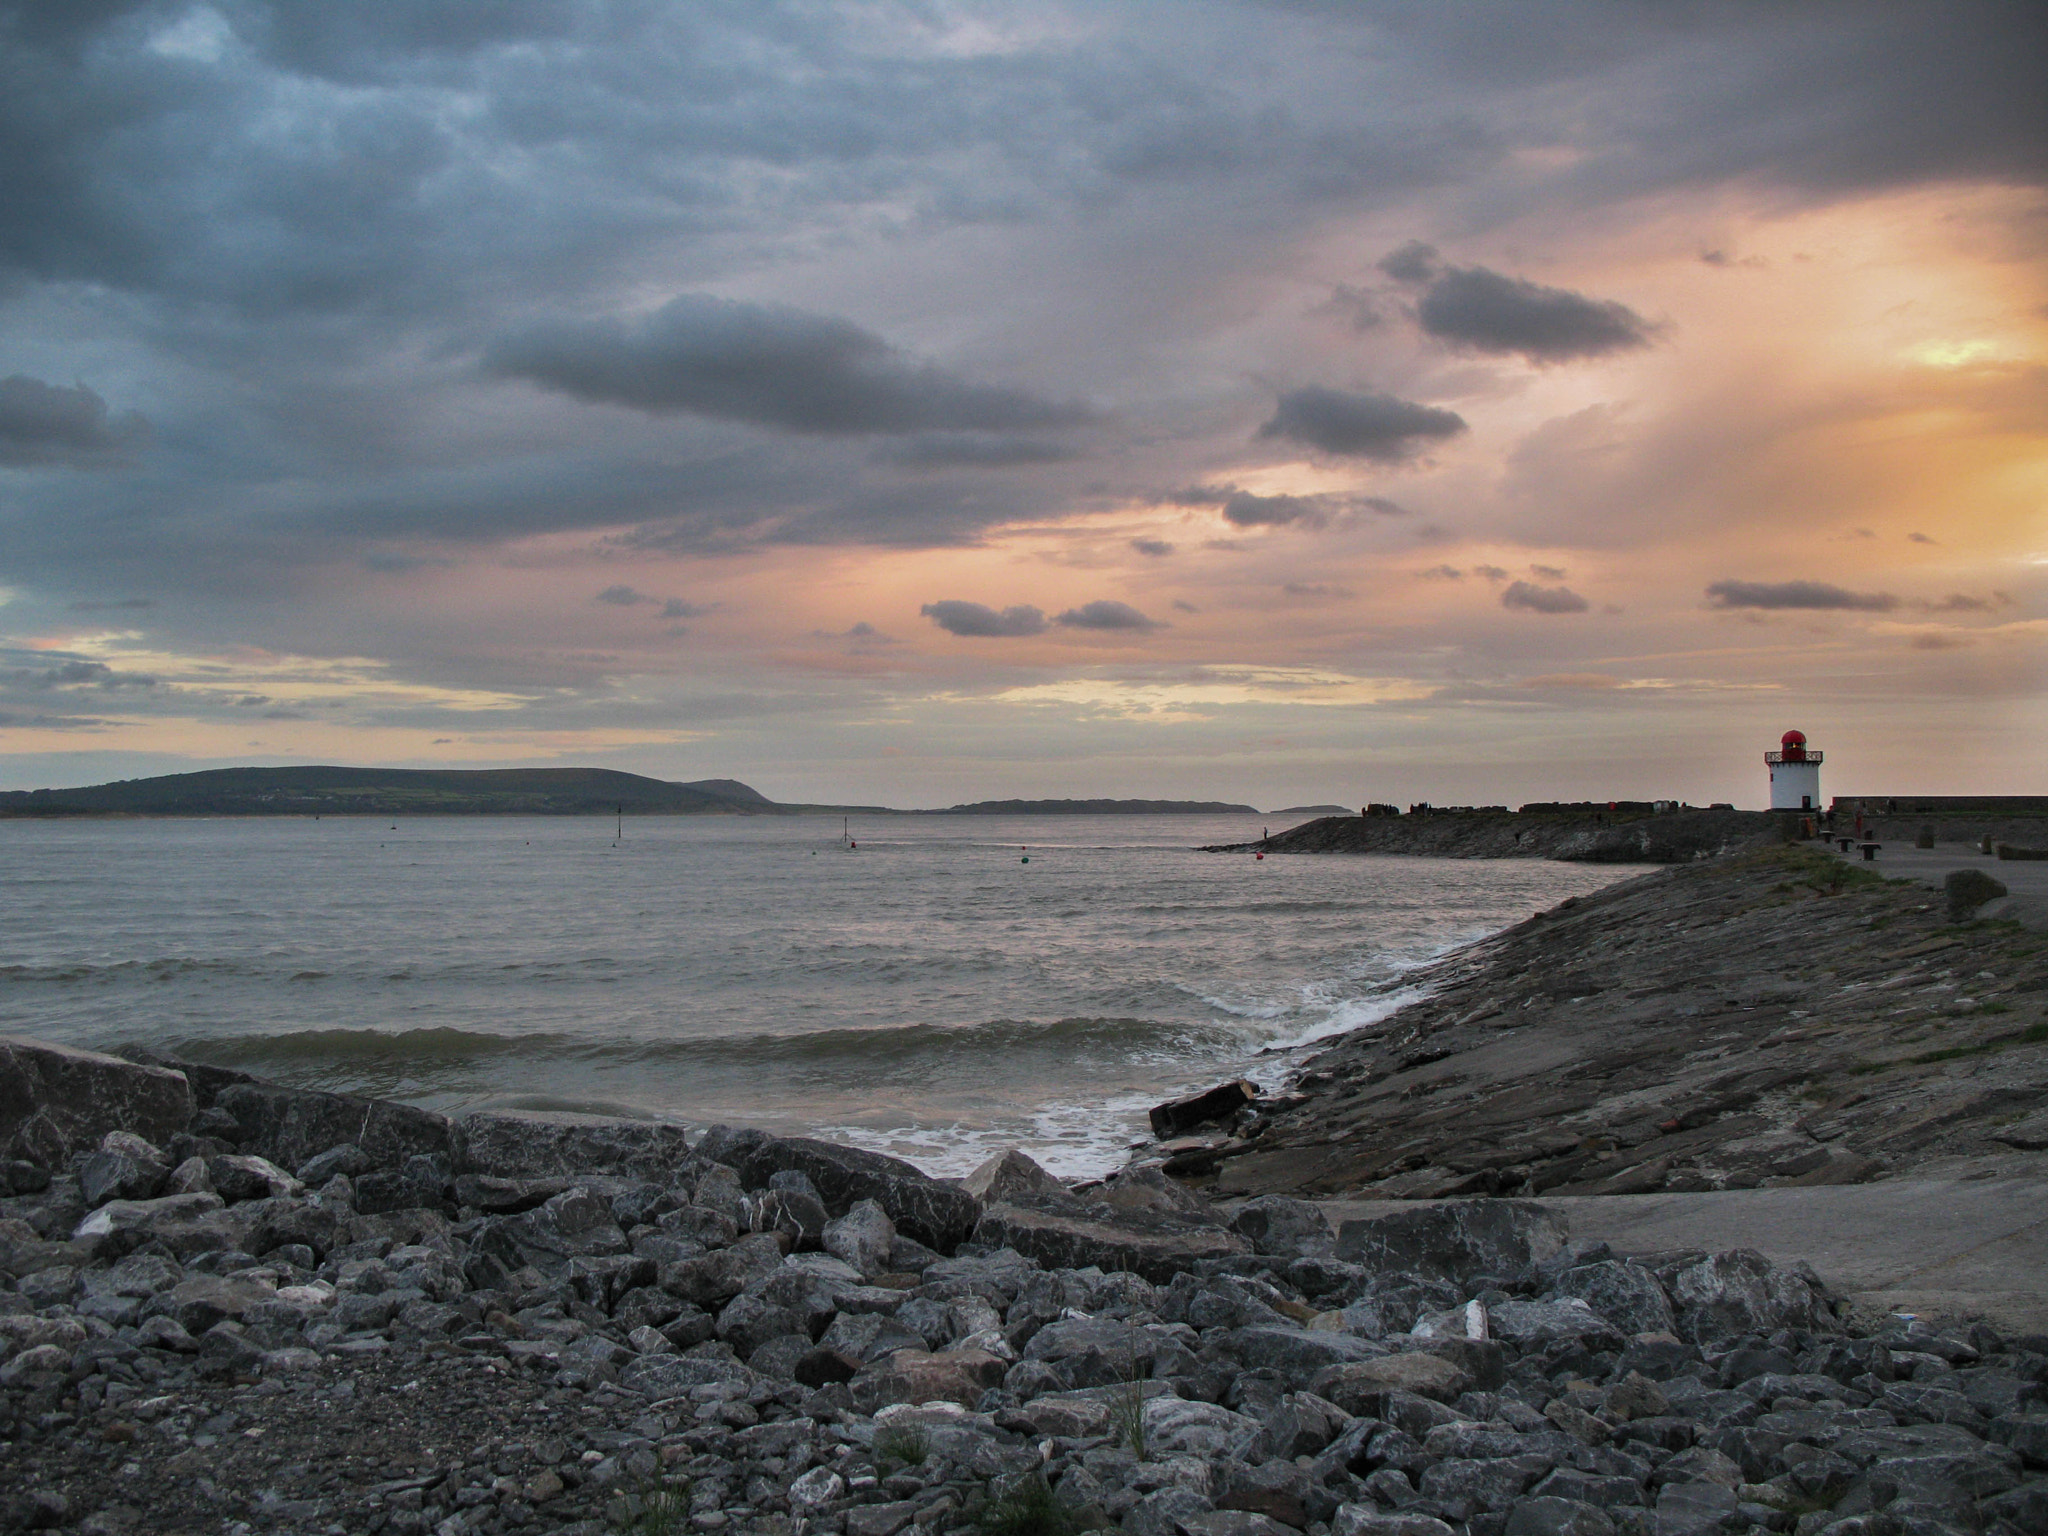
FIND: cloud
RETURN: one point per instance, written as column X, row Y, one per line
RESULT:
column 1482, row 311
column 972, row 451
column 1921, row 538
column 1797, row 594
column 1963, row 602
column 1548, row 572
column 1158, row 549
column 977, row 621
column 1378, row 427
column 1441, row 573
column 1316, row 591
column 1490, row 572
column 1534, row 599
column 767, row 365
column 117, row 605
column 1106, row 615
column 1412, row 263
column 46, row 424
column 1250, row 511
column 623, row 596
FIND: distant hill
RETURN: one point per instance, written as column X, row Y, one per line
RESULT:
column 331, row 791
column 1096, row 808
column 1311, row 810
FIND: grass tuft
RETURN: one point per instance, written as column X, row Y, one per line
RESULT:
column 905, row 1445
column 1026, row 1506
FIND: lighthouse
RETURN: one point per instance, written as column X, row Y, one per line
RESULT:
column 1795, row 774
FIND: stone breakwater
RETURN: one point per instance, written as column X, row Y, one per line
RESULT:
column 1676, row 837
column 1778, row 1017
column 302, row 1312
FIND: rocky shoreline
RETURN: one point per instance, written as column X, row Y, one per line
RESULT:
column 1775, row 1017
column 227, row 1306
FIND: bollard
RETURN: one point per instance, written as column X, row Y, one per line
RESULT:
column 1925, row 839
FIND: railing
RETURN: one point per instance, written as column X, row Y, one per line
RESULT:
column 1794, row 755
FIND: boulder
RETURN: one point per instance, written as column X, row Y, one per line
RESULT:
column 1969, row 889
column 1454, row 1241
column 534, row 1144
column 1726, row 1296
column 712, row 1279
column 1284, row 1227
column 665, row 1376
column 1177, row 1117
column 1626, row 1294
column 1148, row 1192
column 862, row 1238
column 1300, row 1355
column 240, row 1176
column 1356, row 1386
column 105, row 1175
column 55, row 1101
column 1008, row 1174
column 1155, row 1247
column 1552, row 1516
column 915, row 1376
column 290, row 1126
column 933, row 1211
column 1366, row 1520
column 1176, row 1426
column 1528, row 1324
column 575, row 1224
column 798, row 1216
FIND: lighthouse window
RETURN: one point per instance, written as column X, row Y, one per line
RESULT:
column 1806, row 802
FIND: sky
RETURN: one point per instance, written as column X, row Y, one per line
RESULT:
column 909, row 402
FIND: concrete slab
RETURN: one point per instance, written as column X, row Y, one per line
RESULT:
column 2026, row 879
column 1955, row 1247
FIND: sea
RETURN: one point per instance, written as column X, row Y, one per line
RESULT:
column 939, row 987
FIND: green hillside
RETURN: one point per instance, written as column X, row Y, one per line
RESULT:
column 328, row 791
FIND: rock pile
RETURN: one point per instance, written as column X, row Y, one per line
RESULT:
column 530, row 1323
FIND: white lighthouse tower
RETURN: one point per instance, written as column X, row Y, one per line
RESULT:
column 1795, row 774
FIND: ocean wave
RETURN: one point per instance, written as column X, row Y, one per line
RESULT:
column 876, row 1046
column 165, row 968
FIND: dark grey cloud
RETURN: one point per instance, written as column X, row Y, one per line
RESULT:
column 74, row 674
column 1316, row 591
column 1105, row 614
column 978, row 621
column 113, row 605
column 1412, row 263
column 1157, row 549
column 1250, row 511
column 1921, row 538
column 1441, row 573
column 48, row 424
column 1531, row 598
column 1482, row 311
column 622, row 597
column 972, row 450
column 1549, row 572
column 1964, row 602
column 1797, row 594
column 767, row 365
column 1378, row 427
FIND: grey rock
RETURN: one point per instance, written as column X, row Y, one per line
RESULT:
column 1277, row 1489
column 317, row 1226
column 55, row 1101
column 1299, row 1355
column 936, row 1213
column 1454, row 1241
column 715, row 1278
column 1694, row 1509
column 798, row 1216
column 748, row 1322
column 517, row 1143
column 1276, row 1224
column 663, row 1376
column 1552, row 1516
column 104, row 1176
column 1234, row 1522
column 1462, row 1488
column 1729, row 1295
column 1626, row 1294
column 861, row 1238
column 242, row 1176
column 915, row 1376
column 1528, row 1324
column 1364, row 1520
column 1166, row 1513
column 867, row 1336
column 574, row 1224
column 291, row 1126
column 343, row 1160
column 1008, row 1174
column 1357, row 1386
column 1153, row 1246
column 1177, row 1426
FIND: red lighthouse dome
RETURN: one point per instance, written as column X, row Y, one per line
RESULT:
column 1794, row 744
